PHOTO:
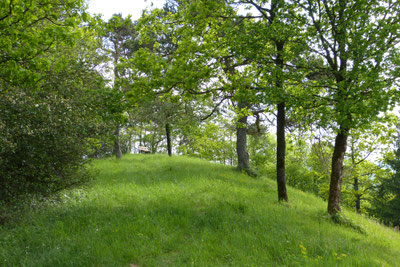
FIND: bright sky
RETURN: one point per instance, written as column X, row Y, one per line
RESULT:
column 126, row 7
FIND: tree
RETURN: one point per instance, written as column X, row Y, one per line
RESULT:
column 49, row 125
column 364, row 144
column 164, row 116
column 29, row 29
column 185, row 69
column 386, row 201
column 202, row 67
column 276, row 48
column 120, row 42
column 357, row 40
column 154, row 96
column 211, row 140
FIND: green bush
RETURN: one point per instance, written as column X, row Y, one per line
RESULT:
column 44, row 141
column 49, row 100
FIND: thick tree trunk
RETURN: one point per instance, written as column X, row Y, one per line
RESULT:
column 280, row 153
column 117, row 148
column 335, row 187
column 280, row 126
column 241, row 141
column 358, row 197
column 168, row 133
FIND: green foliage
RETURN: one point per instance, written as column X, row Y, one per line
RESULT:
column 309, row 161
column 262, row 150
column 120, row 37
column 28, row 30
column 44, row 139
column 357, row 41
column 360, row 55
column 211, row 141
column 152, row 210
column 386, row 201
column 120, row 42
column 103, row 146
column 49, row 103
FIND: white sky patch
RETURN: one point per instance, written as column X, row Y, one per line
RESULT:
column 126, row 7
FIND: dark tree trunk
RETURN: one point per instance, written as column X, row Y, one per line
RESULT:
column 280, row 127
column 358, row 197
column 117, row 147
column 335, row 187
column 241, row 141
column 168, row 132
column 280, row 153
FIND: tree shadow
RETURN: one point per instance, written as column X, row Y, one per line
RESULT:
column 155, row 228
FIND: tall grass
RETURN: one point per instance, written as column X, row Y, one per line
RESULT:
column 152, row 210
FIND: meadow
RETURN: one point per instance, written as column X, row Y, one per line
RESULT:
column 155, row 210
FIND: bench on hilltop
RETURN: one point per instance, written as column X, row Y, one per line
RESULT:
column 143, row 149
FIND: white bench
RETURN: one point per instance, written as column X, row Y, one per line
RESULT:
column 143, row 149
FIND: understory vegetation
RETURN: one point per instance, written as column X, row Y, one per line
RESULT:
column 153, row 210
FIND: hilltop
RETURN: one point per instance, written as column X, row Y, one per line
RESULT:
column 155, row 210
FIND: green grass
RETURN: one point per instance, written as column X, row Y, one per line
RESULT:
column 152, row 210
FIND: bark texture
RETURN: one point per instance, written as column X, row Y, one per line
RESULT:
column 241, row 142
column 335, row 188
column 358, row 197
column 117, row 147
column 280, row 127
column 168, row 133
column 281, row 153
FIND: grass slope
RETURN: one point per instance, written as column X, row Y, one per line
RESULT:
column 152, row 210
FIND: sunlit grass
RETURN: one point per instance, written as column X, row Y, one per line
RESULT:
column 152, row 210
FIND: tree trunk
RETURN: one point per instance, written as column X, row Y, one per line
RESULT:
column 280, row 153
column 117, row 148
column 241, row 141
column 168, row 132
column 280, row 126
column 232, row 154
column 141, row 135
column 358, row 197
column 130, row 142
column 153, row 142
column 335, row 187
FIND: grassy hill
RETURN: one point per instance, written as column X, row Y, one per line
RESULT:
column 152, row 210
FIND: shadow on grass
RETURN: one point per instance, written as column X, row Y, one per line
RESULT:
column 233, row 224
column 178, row 230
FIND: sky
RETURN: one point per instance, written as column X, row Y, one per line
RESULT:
column 126, row 7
